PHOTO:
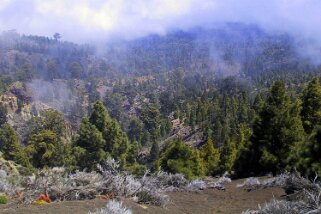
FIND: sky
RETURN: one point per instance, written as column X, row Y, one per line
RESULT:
column 91, row 20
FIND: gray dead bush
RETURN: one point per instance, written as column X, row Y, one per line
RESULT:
column 60, row 186
column 280, row 207
column 250, row 184
column 110, row 181
column 112, row 207
column 219, row 184
column 6, row 187
column 303, row 195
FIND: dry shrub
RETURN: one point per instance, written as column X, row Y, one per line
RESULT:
column 196, row 185
column 303, row 195
column 113, row 207
column 110, row 181
column 60, row 186
column 6, row 187
column 11, row 184
column 280, row 207
column 219, row 184
column 250, row 184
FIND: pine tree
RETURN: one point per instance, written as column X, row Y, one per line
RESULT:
column 136, row 129
column 243, row 161
column 306, row 157
column 10, row 146
column 275, row 131
column 311, row 105
column 151, row 119
column 91, row 141
column 210, row 157
column 115, row 140
column 100, row 117
column 48, row 120
column 44, row 149
column 228, row 154
column 154, row 152
column 258, row 103
column 133, row 151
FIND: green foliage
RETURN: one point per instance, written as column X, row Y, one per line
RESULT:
column 224, row 105
column 116, row 141
column 89, row 146
column 242, row 162
column 46, row 139
column 151, row 119
column 136, row 169
column 180, row 158
column 276, row 130
column 11, row 147
column 167, row 102
column 100, row 117
column 136, row 130
column 132, row 153
column 210, row 157
column 46, row 150
column 258, row 103
column 311, row 105
column 114, row 102
column 101, row 136
column 306, row 154
column 228, row 155
column 154, row 152
column 165, row 127
column 49, row 119
column 243, row 140
column 3, row 199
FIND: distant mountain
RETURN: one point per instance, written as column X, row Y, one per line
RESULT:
column 231, row 49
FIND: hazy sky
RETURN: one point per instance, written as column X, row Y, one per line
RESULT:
column 89, row 20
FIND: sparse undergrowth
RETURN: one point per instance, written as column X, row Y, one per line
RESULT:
column 58, row 185
column 112, row 207
column 303, row 195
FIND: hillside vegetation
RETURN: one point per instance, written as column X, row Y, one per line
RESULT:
column 233, row 100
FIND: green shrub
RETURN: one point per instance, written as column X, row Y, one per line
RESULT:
column 137, row 169
column 178, row 157
column 3, row 199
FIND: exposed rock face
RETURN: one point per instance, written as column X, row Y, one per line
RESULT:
column 18, row 113
column 24, row 102
column 191, row 136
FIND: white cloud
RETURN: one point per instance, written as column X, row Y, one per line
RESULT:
column 81, row 20
column 3, row 4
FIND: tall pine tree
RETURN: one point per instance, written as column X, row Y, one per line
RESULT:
column 210, row 157
column 275, row 131
column 90, row 144
column 311, row 105
column 10, row 146
column 108, row 137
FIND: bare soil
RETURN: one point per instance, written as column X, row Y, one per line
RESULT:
column 233, row 200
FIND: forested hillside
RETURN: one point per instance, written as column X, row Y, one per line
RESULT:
column 232, row 98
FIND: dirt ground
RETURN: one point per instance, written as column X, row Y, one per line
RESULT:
column 233, row 200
